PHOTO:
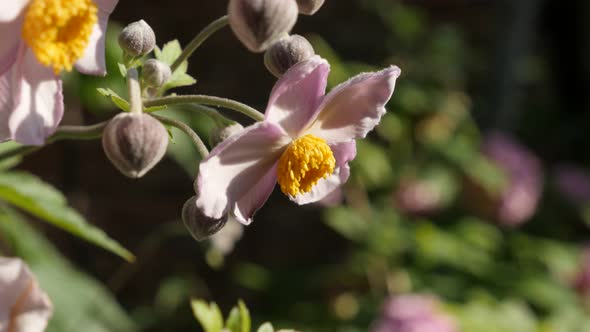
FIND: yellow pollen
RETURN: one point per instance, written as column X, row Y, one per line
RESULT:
column 58, row 31
column 305, row 161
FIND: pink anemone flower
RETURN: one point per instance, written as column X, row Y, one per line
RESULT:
column 304, row 143
column 24, row 307
column 40, row 38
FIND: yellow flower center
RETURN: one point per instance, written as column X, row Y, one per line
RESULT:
column 58, row 31
column 305, row 161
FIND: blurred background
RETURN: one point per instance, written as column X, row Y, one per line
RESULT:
column 474, row 191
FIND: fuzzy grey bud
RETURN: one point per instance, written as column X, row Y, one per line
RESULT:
column 259, row 23
column 155, row 73
column 137, row 38
column 286, row 52
column 135, row 143
column 200, row 226
column 219, row 134
column 309, row 7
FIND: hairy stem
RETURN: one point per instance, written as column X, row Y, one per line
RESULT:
column 62, row 133
column 197, row 141
column 207, row 100
column 134, row 87
column 198, row 40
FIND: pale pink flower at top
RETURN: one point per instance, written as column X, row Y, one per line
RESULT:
column 39, row 39
column 24, row 307
column 304, row 143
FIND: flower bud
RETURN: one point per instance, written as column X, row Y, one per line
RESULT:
column 309, row 7
column 219, row 134
column 259, row 23
column 286, row 52
column 137, row 38
column 155, row 73
column 135, row 143
column 200, row 226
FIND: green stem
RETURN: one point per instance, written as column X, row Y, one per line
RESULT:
column 198, row 40
column 134, row 88
column 207, row 100
column 78, row 132
column 197, row 141
column 62, row 133
column 211, row 112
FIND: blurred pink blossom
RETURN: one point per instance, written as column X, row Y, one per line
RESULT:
column 519, row 199
column 414, row 313
column 418, row 197
column 582, row 279
column 24, row 307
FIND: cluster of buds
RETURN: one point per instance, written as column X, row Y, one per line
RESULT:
column 135, row 142
column 264, row 25
column 516, row 201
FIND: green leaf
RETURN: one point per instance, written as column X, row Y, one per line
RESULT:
column 208, row 315
column 42, row 200
column 233, row 322
column 169, row 53
column 266, row 327
column 179, row 79
column 7, row 148
column 115, row 98
column 122, row 69
column 78, row 299
column 155, row 108
column 245, row 317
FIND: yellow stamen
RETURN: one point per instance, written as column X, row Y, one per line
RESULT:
column 305, row 161
column 58, row 31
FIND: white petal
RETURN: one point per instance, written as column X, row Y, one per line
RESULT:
column 343, row 153
column 31, row 101
column 296, row 96
column 236, row 166
column 355, row 107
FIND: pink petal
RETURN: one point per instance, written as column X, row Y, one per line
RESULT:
column 355, row 107
column 344, row 152
column 106, row 6
column 255, row 197
column 93, row 60
column 23, row 305
column 31, row 101
column 297, row 94
column 236, row 167
column 11, row 19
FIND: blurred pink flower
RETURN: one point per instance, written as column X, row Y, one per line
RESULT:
column 24, row 307
column 582, row 279
column 573, row 182
column 418, row 197
column 414, row 313
column 31, row 100
column 519, row 199
column 304, row 143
